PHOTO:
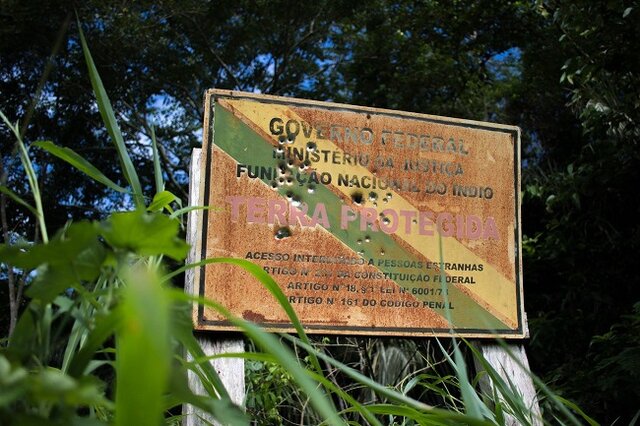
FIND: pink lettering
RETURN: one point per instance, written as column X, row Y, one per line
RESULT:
column 255, row 210
column 320, row 216
column 425, row 223
column 347, row 215
column 490, row 229
column 235, row 201
column 368, row 215
column 277, row 210
column 443, row 224
column 389, row 224
column 474, row 227
column 299, row 215
column 408, row 216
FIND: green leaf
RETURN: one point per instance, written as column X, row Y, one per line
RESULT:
column 77, row 161
column 17, row 255
column 577, row 409
column 143, row 351
column 161, row 200
column 65, row 247
column 53, row 279
column 73, row 256
column 11, row 382
column 147, row 234
column 157, row 170
column 49, row 386
column 109, row 119
column 105, row 327
column 31, row 176
column 18, row 200
column 188, row 209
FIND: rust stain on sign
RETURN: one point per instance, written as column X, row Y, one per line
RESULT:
column 371, row 221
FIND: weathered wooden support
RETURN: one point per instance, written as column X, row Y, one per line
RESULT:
column 230, row 370
column 511, row 363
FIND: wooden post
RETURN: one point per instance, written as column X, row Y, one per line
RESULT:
column 230, row 370
column 509, row 363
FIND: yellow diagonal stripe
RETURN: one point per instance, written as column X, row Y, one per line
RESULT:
column 493, row 291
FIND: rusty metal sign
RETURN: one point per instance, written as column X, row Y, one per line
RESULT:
column 371, row 221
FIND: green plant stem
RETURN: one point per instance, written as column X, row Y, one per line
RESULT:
column 35, row 189
column 31, row 176
column 157, row 170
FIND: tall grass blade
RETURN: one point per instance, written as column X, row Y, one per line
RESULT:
column 143, row 351
column 109, row 118
column 472, row 403
column 188, row 209
column 157, row 170
column 72, row 344
column 222, row 410
column 31, row 177
column 406, row 405
column 208, row 375
column 18, row 200
column 269, row 284
column 161, row 201
column 376, row 387
column 473, row 406
column 77, row 161
column 106, row 325
column 434, row 417
column 578, row 410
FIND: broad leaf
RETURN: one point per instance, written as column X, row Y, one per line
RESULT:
column 143, row 351
column 148, row 234
column 161, row 200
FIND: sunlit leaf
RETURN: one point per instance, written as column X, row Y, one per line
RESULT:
column 109, row 118
column 147, row 234
column 161, row 200
column 143, row 351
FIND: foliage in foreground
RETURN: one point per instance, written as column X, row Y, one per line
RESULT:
column 104, row 337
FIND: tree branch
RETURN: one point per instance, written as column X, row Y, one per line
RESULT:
column 45, row 75
column 215, row 54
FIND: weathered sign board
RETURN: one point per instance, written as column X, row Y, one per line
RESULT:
column 371, row 221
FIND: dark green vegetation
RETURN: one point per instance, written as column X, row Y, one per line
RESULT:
column 566, row 72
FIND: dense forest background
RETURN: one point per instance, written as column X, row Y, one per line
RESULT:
column 566, row 72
